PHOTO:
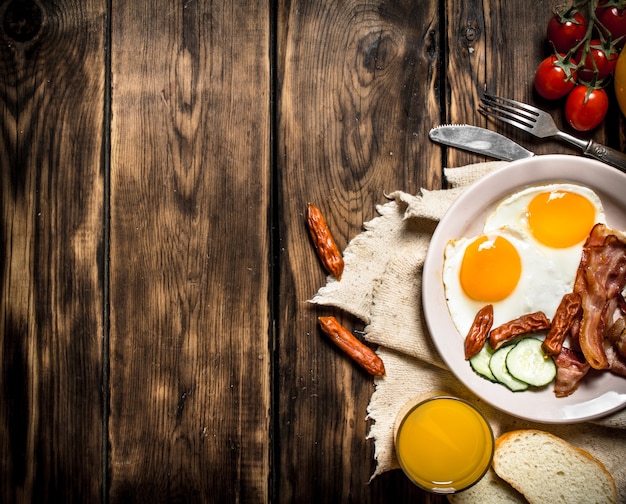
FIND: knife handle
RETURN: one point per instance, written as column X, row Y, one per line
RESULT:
column 606, row 154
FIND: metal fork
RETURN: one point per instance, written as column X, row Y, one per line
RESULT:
column 541, row 124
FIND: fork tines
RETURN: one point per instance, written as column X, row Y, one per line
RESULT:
column 516, row 113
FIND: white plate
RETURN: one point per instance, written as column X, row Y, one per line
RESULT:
column 599, row 393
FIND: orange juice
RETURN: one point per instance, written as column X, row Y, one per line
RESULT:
column 443, row 444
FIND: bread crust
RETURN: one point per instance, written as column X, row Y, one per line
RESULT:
column 577, row 463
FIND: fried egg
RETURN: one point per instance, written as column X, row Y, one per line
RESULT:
column 557, row 218
column 503, row 268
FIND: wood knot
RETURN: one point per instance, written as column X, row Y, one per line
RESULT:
column 471, row 33
column 377, row 52
column 22, row 20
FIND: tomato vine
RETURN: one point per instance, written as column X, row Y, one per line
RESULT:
column 586, row 37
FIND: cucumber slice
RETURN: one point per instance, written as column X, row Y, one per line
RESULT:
column 528, row 362
column 497, row 365
column 480, row 362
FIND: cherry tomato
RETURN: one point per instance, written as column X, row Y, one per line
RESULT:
column 554, row 77
column 566, row 30
column 613, row 19
column 603, row 55
column 586, row 107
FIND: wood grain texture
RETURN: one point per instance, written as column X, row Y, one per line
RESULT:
column 190, row 361
column 358, row 88
column 51, row 244
column 156, row 158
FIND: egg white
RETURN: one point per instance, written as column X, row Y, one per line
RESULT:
column 513, row 213
column 540, row 287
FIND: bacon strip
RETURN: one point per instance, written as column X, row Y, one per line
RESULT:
column 571, row 367
column 617, row 363
column 616, row 334
column 621, row 304
column 600, row 278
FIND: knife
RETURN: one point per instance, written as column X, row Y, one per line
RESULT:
column 479, row 140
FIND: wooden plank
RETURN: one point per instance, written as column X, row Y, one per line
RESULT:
column 358, row 88
column 52, row 76
column 496, row 46
column 190, row 252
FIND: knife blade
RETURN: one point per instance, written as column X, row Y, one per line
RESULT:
column 479, row 140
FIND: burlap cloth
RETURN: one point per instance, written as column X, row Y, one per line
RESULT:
column 381, row 285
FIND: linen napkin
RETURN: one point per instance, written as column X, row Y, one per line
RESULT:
column 381, row 285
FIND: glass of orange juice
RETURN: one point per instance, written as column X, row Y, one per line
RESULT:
column 443, row 443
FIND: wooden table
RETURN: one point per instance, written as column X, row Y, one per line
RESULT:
column 156, row 158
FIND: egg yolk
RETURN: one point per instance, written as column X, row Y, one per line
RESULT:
column 560, row 219
column 490, row 269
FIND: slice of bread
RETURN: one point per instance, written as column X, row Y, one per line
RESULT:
column 548, row 469
column 489, row 490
